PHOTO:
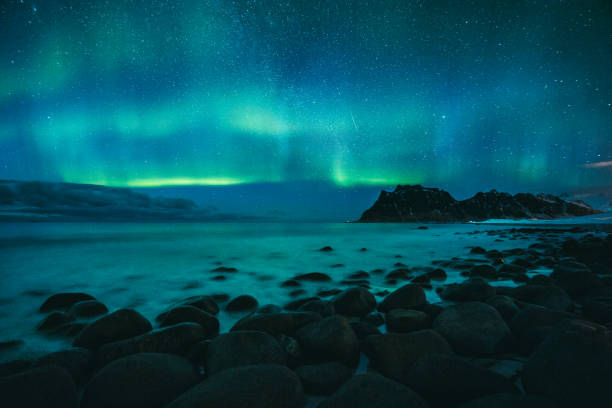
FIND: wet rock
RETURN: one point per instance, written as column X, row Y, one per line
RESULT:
column 505, row 305
column 549, row 296
column 269, row 309
column 373, row 390
column 293, row 350
column 48, row 386
column 359, row 275
column 510, row 401
column 323, row 379
column 54, row 320
column 399, row 274
column 483, row 271
column 573, row 366
column 363, row 330
column 175, row 339
column 63, row 301
column 9, row 344
column 276, row 323
column 242, row 303
column 291, row 283
column 354, row 302
column 295, row 304
column 406, row 321
column 322, row 307
column 329, row 339
column 533, row 316
column 241, row 348
column 326, row 249
column 512, row 269
column 183, row 314
column 87, row 308
column 475, row 289
column 392, row 354
column 576, row 280
column 598, row 309
column 473, row 328
column 445, row 380
column 15, row 366
column 76, row 361
column 69, row 330
column 313, row 277
column 256, row 386
column 141, row 380
column 375, row 319
column 407, row 297
column 437, row 274
column 205, row 303
column 478, row 250
column 119, row 325
column 297, row 292
column 225, row 269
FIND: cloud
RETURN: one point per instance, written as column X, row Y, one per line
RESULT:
column 597, row 165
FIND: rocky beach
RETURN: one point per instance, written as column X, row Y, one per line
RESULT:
column 521, row 322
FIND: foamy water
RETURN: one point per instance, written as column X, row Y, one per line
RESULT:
column 150, row 266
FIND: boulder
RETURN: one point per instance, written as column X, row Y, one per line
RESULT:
column 242, row 348
column 63, row 301
column 256, row 386
column 575, row 278
column 242, row 303
column 54, row 320
column 407, row 297
column 483, row 271
column 323, row 379
column 550, row 296
column 119, row 325
column 313, row 277
column 473, row 328
column 364, row 329
column 205, row 303
column 146, row 380
column 505, row 305
column 475, row 289
column 276, row 323
column 354, row 302
column 183, row 314
column 598, row 309
column 175, row 339
column 372, row 391
column 510, row 401
column 48, row 386
column 329, row 339
column 87, row 308
column 445, row 380
column 405, row 321
column 572, row 366
column 392, row 354
column 76, row 361
column 322, row 307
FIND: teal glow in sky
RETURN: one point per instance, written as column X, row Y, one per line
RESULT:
column 498, row 94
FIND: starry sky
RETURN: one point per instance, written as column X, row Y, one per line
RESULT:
column 471, row 95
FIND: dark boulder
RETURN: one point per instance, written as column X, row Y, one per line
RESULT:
column 54, row 320
column 183, row 314
column 392, row 354
column 313, row 277
column 505, row 305
column 47, row 386
column 242, row 348
column 573, row 366
column 407, row 297
column 550, row 296
column 598, row 309
column 63, row 301
column 87, row 308
column 322, row 307
column 510, row 401
column 76, row 361
column 256, row 386
column 354, row 302
column 175, row 339
column 329, row 339
column 576, row 279
column 323, row 379
column 475, row 289
column 276, row 323
column 373, row 391
column 363, row 330
column 405, row 321
column 242, row 303
column 146, row 380
column 473, row 328
column 445, row 380
column 119, row 325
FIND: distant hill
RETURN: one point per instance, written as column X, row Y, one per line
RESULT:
column 45, row 201
column 415, row 203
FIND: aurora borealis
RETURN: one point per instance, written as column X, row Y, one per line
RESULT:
column 495, row 94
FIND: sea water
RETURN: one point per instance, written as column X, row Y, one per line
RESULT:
column 150, row 266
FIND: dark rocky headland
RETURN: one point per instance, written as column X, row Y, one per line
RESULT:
column 543, row 342
column 415, row 203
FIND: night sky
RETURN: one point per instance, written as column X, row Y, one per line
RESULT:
column 513, row 95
